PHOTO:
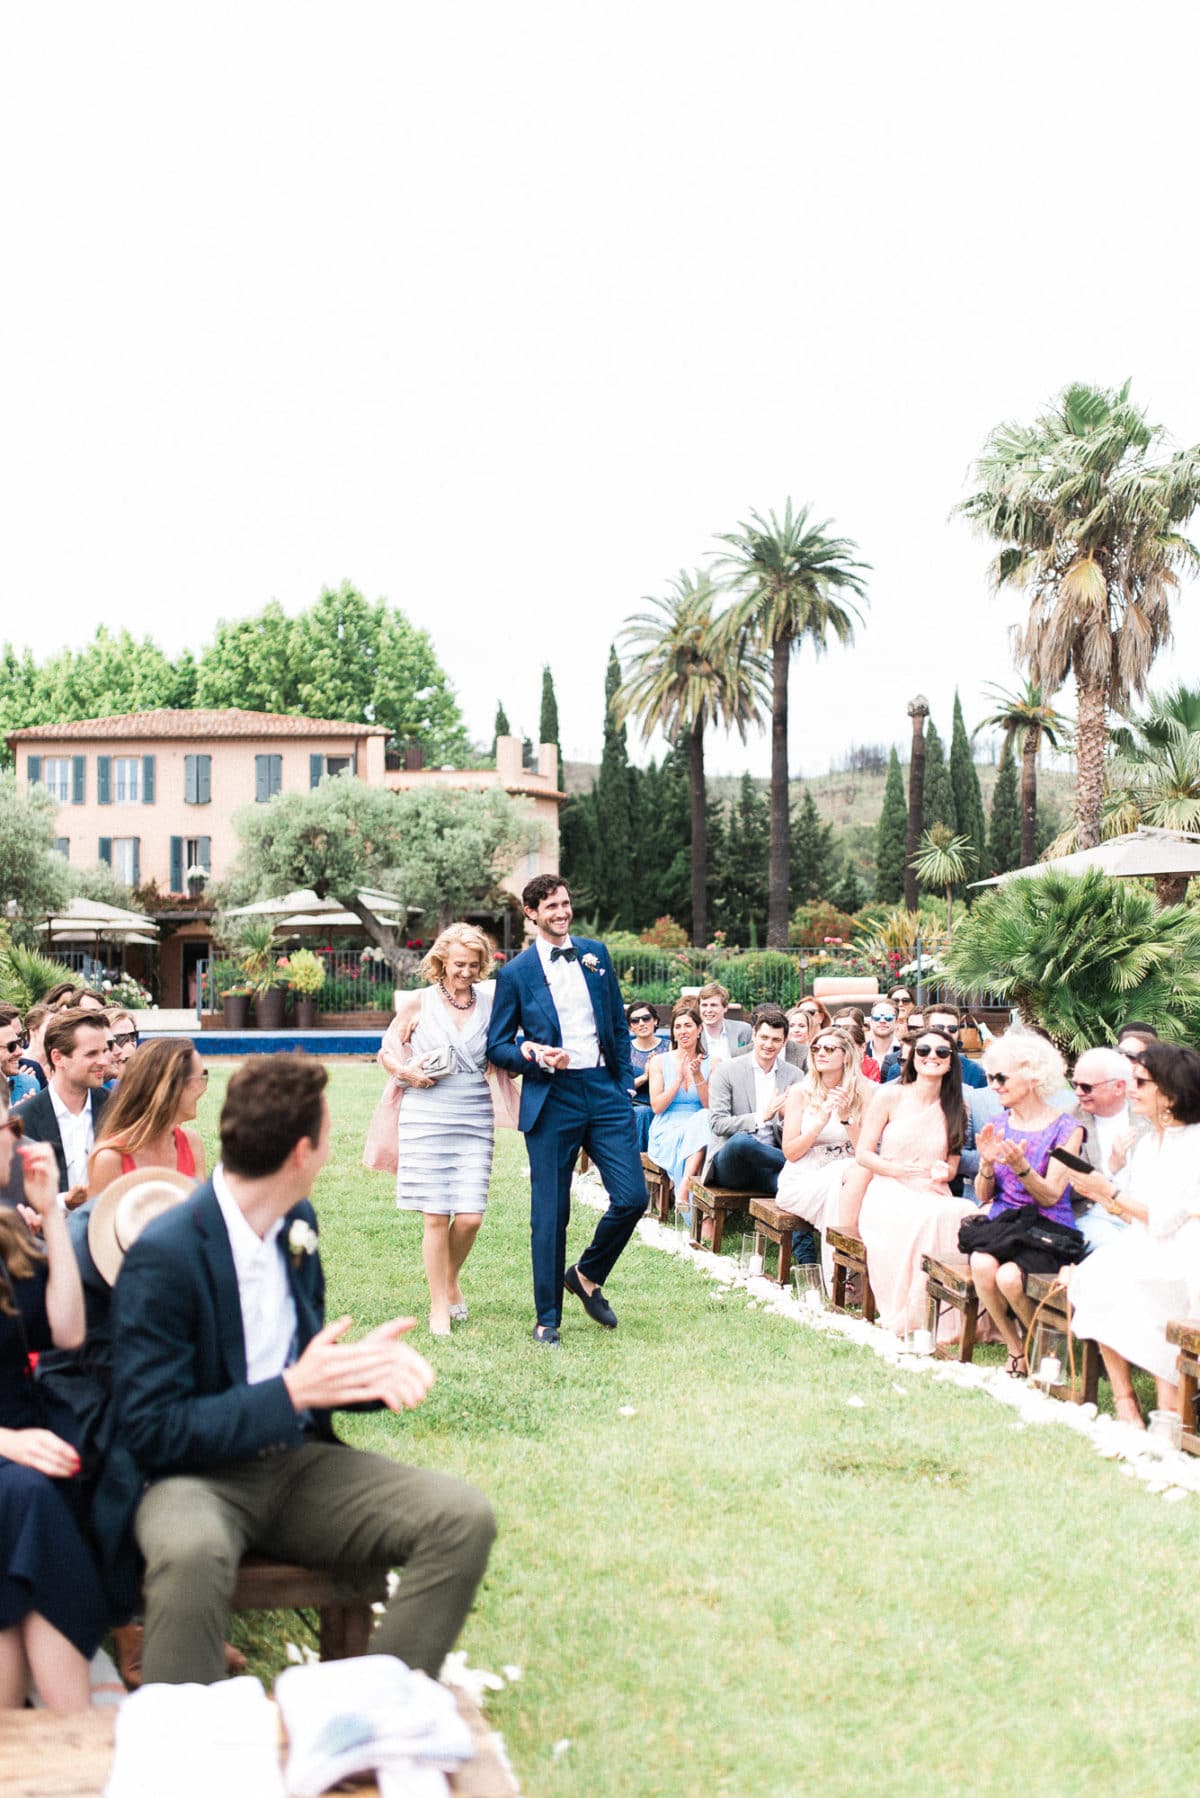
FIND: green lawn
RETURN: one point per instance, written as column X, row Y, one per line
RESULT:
column 750, row 1586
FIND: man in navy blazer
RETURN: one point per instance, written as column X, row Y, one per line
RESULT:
column 558, row 1021
column 225, row 1375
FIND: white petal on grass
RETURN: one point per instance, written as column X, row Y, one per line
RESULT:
column 512, row 1674
column 559, row 1749
column 626, row 1411
column 855, row 1403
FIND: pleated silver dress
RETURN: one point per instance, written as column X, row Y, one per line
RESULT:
column 446, row 1132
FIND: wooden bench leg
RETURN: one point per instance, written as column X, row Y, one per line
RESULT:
column 970, row 1326
column 868, row 1298
column 345, row 1630
column 718, row 1235
column 1091, row 1372
column 785, row 1259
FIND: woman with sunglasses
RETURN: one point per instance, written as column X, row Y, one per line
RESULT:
column 820, row 1129
column 1125, row 1294
column 1024, row 1071
column 145, row 1124
column 679, row 1100
column 643, row 1032
column 52, row 1611
column 909, row 1145
column 816, row 1013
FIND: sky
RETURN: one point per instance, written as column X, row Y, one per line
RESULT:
column 503, row 313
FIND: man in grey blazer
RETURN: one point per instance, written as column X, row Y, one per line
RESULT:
column 745, row 1108
column 720, row 1040
column 1102, row 1080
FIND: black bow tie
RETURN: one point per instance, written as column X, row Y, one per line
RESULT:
column 563, row 955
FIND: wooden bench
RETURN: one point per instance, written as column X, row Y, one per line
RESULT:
column 773, row 1225
column 342, row 1600
column 1055, row 1316
column 716, row 1202
column 1187, row 1338
column 659, row 1187
column 952, row 1286
column 849, row 1258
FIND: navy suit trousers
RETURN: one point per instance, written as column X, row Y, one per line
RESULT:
column 584, row 1109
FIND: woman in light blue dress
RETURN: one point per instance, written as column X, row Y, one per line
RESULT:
column 679, row 1101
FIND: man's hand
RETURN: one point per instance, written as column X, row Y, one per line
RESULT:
column 41, row 1177
column 546, row 1057
column 331, row 1373
column 41, row 1449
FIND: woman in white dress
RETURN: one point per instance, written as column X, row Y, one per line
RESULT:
column 820, row 1129
column 446, row 1129
column 1124, row 1295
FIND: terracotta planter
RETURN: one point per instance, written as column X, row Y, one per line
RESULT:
column 236, row 1007
column 305, row 1011
column 268, row 1008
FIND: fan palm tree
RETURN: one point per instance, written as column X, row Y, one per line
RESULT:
column 793, row 583
column 688, row 672
column 1089, row 526
column 943, row 860
column 1029, row 715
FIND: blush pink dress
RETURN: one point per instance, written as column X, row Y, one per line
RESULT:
column 901, row 1220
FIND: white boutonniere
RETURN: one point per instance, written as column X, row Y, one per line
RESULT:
column 591, row 963
column 302, row 1241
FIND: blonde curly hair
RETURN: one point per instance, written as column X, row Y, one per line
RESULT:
column 456, row 936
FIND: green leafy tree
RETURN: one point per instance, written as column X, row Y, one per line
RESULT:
column 850, row 894
column 740, row 873
column 939, row 790
column 918, row 711
column 250, row 664
column 1089, row 524
column 795, row 584
column 26, row 975
column 1004, row 837
column 33, row 879
column 814, row 856
column 501, row 728
column 1154, row 775
column 579, row 849
column 687, row 674
column 968, row 795
column 1026, row 714
column 662, row 860
column 548, row 721
column 614, row 811
column 890, row 837
column 1078, row 954
column 944, row 860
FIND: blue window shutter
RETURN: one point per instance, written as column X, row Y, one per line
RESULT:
column 203, row 779
column 190, row 785
column 262, row 779
column 63, row 846
column 276, row 762
column 137, row 862
column 147, row 780
column 78, row 779
column 316, row 768
column 177, row 885
column 34, row 768
column 204, row 844
column 106, row 850
column 104, row 784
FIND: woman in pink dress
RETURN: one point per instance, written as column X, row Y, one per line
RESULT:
column 909, row 1144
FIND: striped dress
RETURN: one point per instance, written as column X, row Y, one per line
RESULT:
column 446, row 1132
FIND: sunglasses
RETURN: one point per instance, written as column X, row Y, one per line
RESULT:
column 828, row 1049
column 997, row 1079
column 125, row 1039
column 15, row 1125
column 11, row 1047
column 810, row 1011
column 1085, row 1088
column 642, row 1018
column 938, row 1051
column 1142, row 1080
column 883, row 1017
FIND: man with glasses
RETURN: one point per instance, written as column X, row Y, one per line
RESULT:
column 882, row 1037
column 123, row 1034
column 1103, row 1082
column 21, row 1084
column 948, row 1017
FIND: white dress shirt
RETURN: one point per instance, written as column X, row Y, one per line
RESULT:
column 78, row 1134
column 265, row 1294
column 1106, row 1132
column 573, row 1003
column 764, row 1095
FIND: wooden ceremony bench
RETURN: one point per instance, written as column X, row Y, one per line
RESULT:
column 849, row 1258
column 342, row 1601
column 1187, row 1337
column 1055, row 1316
column 953, row 1286
column 716, row 1202
column 659, row 1187
column 773, row 1225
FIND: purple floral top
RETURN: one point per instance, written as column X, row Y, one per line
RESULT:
column 1037, row 1144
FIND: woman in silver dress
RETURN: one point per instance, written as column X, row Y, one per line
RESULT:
column 446, row 1129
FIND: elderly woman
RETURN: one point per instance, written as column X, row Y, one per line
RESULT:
column 446, row 1129
column 1016, row 1169
column 1125, row 1294
column 820, row 1129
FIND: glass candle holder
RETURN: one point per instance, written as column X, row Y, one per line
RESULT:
column 1165, row 1430
column 808, row 1284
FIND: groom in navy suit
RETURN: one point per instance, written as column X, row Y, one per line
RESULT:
column 558, row 1021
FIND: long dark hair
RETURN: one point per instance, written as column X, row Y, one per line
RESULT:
column 954, row 1108
column 686, row 1008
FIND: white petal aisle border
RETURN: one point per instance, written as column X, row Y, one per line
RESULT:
column 1169, row 1473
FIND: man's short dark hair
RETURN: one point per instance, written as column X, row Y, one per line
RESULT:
column 62, row 1031
column 772, row 1015
column 1136, row 1029
column 539, row 888
column 9, row 1015
column 945, row 1011
column 272, row 1103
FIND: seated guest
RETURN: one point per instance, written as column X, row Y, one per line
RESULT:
column 66, row 1114
column 746, row 1102
column 1103, row 1082
column 850, row 1019
column 948, row 1018
column 644, row 1046
column 882, row 1037
column 893, row 1065
column 124, row 1039
column 909, row 1144
column 721, row 1039
column 145, row 1122
column 33, row 1061
column 1015, row 1169
column 18, row 1084
column 1125, row 1294
column 817, row 1013
column 52, row 1613
column 902, row 1002
column 796, row 1051
column 1133, row 1037
column 678, row 1136
column 225, row 1376
column 821, row 1121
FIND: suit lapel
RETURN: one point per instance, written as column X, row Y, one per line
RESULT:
column 542, row 1022
column 218, row 1258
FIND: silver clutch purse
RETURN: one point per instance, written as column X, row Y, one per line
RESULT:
column 439, row 1062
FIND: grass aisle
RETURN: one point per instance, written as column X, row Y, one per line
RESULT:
column 750, row 1586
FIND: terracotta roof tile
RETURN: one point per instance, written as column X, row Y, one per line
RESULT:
column 196, row 725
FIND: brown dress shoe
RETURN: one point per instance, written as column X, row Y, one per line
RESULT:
column 127, row 1640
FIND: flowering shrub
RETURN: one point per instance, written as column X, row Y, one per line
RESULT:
column 127, row 993
column 665, row 933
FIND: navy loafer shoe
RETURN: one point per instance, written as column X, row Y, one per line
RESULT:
column 594, row 1302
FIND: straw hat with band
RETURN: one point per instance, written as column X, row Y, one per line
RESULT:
column 125, row 1207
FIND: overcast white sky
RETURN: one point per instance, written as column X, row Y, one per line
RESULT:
column 502, row 312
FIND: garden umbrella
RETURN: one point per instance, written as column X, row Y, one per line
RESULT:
column 1144, row 853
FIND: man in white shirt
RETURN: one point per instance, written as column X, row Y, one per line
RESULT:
column 881, row 1032
column 745, row 1108
column 224, row 1377
column 1102, row 1080
column 66, row 1113
column 719, row 1039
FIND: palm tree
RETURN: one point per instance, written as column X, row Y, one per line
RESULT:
column 1089, row 525
column 1029, row 715
column 686, row 673
column 1155, row 775
column 790, row 578
column 943, row 860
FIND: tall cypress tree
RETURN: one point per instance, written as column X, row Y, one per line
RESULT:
column 890, row 837
column 579, row 849
column 814, row 858
column 501, row 728
column 1004, row 838
column 548, row 725
column 614, row 810
column 740, row 875
column 968, row 797
column 939, row 791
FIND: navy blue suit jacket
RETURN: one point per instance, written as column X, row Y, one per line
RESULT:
column 41, row 1125
column 523, row 1007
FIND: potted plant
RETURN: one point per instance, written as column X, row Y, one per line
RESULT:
column 261, row 971
column 305, row 978
column 235, row 1003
